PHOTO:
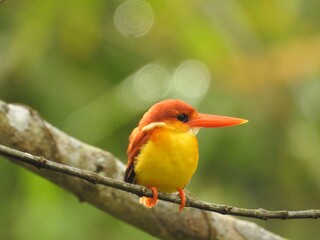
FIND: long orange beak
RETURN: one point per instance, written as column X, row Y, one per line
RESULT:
column 211, row 121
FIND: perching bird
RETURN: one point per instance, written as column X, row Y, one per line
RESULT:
column 163, row 149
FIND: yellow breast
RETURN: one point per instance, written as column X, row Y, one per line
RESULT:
column 168, row 160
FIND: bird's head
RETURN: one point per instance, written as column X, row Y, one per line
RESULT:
column 183, row 117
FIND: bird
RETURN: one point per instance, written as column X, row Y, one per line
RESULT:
column 163, row 148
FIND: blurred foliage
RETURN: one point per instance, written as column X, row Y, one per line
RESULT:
column 87, row 66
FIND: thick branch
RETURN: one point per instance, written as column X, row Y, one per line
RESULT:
column 22, row 128
column 95, row 178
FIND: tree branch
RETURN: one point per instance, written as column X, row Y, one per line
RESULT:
column 22, row 128
column 95, row 178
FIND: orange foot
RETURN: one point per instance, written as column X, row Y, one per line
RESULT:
column 183, row 199
column 150, row 202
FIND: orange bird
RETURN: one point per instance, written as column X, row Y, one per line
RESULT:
column 163, row 149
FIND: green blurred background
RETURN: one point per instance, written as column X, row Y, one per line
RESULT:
column 91, row 68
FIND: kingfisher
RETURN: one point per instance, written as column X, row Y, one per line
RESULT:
column 163, row 148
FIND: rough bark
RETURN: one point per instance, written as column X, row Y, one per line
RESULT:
column 24, row 129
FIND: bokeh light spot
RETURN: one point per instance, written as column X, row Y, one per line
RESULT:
column 149, row 84
column 192, row 79
column 134, row 18
column 152, row 82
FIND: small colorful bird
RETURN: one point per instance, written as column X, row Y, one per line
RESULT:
column 163, row 149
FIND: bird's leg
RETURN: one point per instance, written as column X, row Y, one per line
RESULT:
column 183, row 199
column 150, row 202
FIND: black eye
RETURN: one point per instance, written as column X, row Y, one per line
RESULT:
column 183, row 117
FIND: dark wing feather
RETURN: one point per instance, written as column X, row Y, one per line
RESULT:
column 136, row 140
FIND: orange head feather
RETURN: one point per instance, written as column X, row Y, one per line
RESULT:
column 166, row 111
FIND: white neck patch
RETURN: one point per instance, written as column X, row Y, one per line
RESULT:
column 194, row 130
column 153, row 125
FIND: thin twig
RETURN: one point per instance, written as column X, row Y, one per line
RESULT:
column 95, row 178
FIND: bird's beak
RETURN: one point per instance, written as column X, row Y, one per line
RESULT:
column 211, row 121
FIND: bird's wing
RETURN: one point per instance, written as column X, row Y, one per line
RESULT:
column 136, row 140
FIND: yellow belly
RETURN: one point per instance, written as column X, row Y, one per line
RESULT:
column 168, row 160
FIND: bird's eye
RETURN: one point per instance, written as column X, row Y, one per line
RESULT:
column 183, row 117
